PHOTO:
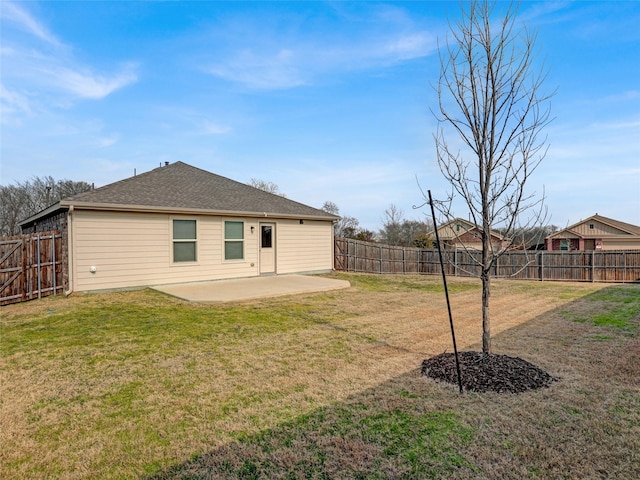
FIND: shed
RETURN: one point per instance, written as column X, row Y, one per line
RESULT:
column 596, row 233
column 178, row 223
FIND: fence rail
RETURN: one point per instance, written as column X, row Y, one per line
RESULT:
column 31, row 266
column 592, row 266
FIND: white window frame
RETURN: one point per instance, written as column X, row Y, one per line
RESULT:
column 184, row 240
column 225, row 240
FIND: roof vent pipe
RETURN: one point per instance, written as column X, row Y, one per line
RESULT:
column 166, row 164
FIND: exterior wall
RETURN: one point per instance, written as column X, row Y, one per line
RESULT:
column 469, row 240
column 135, row 249
column 304, row 247
column 451, row 230
column 576, row 244
column 621, row 243
column 598, row 230
column 55, row 222
column 572, row 244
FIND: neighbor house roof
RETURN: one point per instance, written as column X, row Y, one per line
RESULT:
column 457, row 227
column 624, row 228
column 182, row 188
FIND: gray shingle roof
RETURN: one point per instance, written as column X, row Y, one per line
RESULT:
column 182, row 186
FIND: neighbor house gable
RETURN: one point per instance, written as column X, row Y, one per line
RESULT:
column 598, row 226
column 596, row 233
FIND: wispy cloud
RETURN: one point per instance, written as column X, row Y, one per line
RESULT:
column 271, row 58
column 211, row 128
column 84, row 83
column 13, row 104
column 11, row 12
column 40, row 71
column 105, row 142
column 261, row 69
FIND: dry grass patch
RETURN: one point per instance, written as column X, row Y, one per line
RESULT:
column 126, row 384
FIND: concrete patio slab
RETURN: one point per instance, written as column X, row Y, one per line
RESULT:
column 251, row 288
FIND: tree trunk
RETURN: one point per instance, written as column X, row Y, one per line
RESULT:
column 486, row 319
column 486, row 285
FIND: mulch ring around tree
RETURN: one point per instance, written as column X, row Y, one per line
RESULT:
column 483, row 373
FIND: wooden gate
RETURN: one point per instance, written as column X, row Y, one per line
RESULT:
column 31, row 266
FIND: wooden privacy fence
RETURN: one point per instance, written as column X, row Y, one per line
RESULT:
column 31, row 266
column 592, row 266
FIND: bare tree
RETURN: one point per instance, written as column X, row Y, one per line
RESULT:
column 23, row 199
column 490, row 100
column 13, row 200
column 346, row 227
column 269, row 187
column 397, row 230
column 391, row 231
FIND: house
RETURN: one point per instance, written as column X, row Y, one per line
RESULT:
column 178, row 223
column 460, row 233
column 596, row 233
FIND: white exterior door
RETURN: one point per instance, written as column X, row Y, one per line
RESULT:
column 267, row 248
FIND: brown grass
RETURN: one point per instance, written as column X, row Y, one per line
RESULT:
column 124, row 402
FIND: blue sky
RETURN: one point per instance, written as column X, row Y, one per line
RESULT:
column 329, row 100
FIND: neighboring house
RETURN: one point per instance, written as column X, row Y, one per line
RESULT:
column 179, row 223
column 460, row 233
column 596, row 233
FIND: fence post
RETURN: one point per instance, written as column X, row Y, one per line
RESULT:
column 541, row 266
column 53, row 261
column 455, row 260
column 39, row 272
column 23, row 262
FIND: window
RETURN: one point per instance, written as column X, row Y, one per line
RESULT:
column 184, row 241
column 591, row 226
column 267, row 236
column 233, row 240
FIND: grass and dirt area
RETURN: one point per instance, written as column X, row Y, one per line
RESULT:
column 134, row 385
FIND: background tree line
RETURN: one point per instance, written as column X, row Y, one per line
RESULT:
column 20, row 200
column 396, row 230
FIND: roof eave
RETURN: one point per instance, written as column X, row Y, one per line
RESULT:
column 192, row 211
column 43, row 213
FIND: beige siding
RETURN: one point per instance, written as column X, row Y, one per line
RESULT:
column 621, row 244
column 304, row 247
column 598, row 230
column 134, row 249
column 450, row 231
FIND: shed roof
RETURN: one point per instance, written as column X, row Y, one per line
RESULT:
column 180, row 187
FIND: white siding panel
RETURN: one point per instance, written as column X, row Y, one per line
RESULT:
column 134, row 249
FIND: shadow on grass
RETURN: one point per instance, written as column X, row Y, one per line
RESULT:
column 384, row 432
column 414, row 428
